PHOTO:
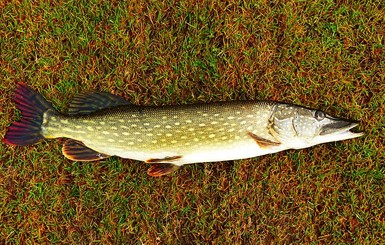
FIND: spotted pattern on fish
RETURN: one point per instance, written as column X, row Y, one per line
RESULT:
column 100, row 125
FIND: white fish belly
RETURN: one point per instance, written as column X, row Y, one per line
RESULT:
column 243, row 151
column 206, row 153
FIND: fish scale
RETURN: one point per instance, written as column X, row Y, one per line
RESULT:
column 99, row 125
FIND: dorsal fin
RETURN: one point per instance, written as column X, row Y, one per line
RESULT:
column 88, row 102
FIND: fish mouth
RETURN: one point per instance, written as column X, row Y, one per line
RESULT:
column 341, row 127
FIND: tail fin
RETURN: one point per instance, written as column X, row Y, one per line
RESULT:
column 32, row 105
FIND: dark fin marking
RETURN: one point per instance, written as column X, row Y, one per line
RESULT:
column 32, row 105
column 163, row 160
column 88, row 102
column 77, row 151
column 160, row 169
column 264, row 143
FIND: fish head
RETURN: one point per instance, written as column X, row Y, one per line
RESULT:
column 300, row 127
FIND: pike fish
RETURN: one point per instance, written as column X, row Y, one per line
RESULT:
column 99, row 125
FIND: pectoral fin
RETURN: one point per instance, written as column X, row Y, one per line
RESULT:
column 160, row 169
column 77, row 151
column 263, row 143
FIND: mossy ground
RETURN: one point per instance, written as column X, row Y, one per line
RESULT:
column 322, row 54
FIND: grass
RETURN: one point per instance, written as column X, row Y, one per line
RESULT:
column 320, row 54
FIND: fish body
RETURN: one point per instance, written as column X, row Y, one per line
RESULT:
column 197, row 133
column 99, row 125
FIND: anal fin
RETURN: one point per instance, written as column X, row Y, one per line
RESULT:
column 77, row 151
column 160, row 169
column 263, row 143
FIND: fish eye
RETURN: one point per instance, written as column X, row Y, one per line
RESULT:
column 319, row 115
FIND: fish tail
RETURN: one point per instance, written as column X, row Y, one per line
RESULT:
column 28, row 129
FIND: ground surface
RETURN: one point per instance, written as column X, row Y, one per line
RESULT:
column 321, row 54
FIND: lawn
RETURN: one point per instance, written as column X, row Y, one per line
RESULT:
column 320, row 54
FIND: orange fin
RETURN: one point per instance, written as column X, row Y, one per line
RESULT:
column 77, row 151
column 164, row 160
column 160, row 169
column 264, row 143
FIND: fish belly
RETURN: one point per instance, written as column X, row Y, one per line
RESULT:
column 206, row 153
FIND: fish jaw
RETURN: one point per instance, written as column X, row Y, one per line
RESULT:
column 338, row 129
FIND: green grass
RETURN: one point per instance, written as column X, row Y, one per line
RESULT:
column 318, row 53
